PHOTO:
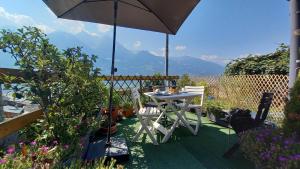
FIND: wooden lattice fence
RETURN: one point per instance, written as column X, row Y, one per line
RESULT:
column 124, row 84
column 245, row 91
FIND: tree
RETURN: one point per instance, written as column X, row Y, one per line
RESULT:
column 185, row 80
column 64, row 83
column 272, row 63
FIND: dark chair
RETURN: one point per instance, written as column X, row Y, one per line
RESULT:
column 241, row 121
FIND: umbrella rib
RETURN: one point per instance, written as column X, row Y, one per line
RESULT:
column 157, row 16
column 69, row 10
column 123, row 3
column 135, row 6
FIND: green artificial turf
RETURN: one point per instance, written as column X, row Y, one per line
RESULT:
column 183, row 150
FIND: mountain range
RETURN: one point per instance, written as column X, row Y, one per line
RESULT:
column 128, row 62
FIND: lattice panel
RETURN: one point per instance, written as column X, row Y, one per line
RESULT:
column 124, row 84
column 245, row 91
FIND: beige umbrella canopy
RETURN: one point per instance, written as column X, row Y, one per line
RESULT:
column 155, row 15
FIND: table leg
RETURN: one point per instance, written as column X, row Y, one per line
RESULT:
column 180, row 115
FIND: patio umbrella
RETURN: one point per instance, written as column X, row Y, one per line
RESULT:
column 164, row 16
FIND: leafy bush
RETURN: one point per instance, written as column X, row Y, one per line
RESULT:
column 271, row 148
column 292, row 110
column 185, row 80
column 64, row 83
column 214, row 107
column 273, row 63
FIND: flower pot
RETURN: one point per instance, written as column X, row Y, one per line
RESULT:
column 294, row 116
column 217, row 120
column 128, row 112
column 104, row 130
column 114, row 113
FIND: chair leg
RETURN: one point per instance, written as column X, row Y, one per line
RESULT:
column 231, row 151
column 199, row 121
column 144, row 126
column 151, row 136
column 140, row 131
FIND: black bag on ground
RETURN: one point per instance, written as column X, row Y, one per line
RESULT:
column 241, row 120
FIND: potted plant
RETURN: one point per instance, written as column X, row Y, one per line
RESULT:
column 127, row 109
column 105, row 124
column 215, row 112
column 115, row 107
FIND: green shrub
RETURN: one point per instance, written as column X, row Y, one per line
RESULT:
column 64, row 83
column 292, row 110
column 214, row 107
column 185, row 80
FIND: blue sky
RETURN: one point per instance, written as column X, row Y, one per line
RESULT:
column 217, row 30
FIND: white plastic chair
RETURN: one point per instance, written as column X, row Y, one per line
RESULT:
column 197, row 107
column 145, row 116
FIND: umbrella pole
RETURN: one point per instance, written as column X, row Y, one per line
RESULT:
column 113, row 70
column 167, row 60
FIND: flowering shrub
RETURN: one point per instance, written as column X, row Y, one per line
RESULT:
column 33, row 155
column 271, row 148
column 28, row 156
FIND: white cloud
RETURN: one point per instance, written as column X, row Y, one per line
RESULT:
column 160, row 52
column 247, row 55
column 154, row 53
column 45, row 28
column 215, row 59
column 137, row 44
column 104, row 28
column 180, row 47
column 71, row 26
column 23, row 20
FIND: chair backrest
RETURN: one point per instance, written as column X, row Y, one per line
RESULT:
column 136, row 98
column 196, row 89
column 264, row 107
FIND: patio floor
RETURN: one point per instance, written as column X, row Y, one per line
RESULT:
column 183, row 150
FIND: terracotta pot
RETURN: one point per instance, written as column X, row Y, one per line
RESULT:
column 113, row 129
column 128, row 112
column 294, row 116
column 114, row 113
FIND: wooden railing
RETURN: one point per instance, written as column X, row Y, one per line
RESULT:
column 15, row 124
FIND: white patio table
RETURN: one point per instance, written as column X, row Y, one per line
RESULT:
column 169, row 98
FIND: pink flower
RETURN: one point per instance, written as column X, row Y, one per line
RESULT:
column 66, row 146
column 44, row 149
column 33, row 143
column 10, row 150
column 55, row 142
column 2, row 161
column 21, row 144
